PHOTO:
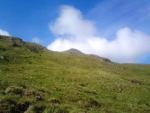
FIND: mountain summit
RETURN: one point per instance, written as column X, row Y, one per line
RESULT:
column 74, row 51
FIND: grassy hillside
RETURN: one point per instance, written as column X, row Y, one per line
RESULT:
column 35, row 80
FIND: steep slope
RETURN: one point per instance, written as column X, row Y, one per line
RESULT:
column 35, row 80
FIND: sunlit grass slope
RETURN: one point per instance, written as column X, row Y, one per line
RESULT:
column 35, row 80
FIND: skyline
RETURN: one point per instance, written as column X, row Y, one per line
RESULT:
column 115, row 29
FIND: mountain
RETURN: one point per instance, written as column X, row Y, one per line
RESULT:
column 73, row 51
column 36, row 80
column 77, row 52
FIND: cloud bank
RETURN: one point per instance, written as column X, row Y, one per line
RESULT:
column 72, row 30
column 3, row 32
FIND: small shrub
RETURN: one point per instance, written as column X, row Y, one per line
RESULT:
column 54, row 102
column 89, row 103
column 33, row 93
column 23, row 105
column 14, row 90
column 8, row 105
column 38, row 108
column 134, row 81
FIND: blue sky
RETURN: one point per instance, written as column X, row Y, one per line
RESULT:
column 31, row 19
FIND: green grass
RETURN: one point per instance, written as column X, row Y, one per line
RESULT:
column 35, row 80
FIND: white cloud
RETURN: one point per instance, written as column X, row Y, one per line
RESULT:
column 73, row 31
column 36, row 40
column 3, row 32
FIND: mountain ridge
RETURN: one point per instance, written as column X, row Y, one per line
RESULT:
column 19, row 42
